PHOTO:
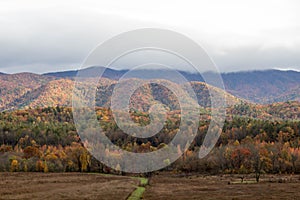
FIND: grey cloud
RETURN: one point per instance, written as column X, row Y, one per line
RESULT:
column 37, row 40
column 42, row 41
column 258, row 58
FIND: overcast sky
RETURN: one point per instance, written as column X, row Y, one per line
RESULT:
column 42, row 36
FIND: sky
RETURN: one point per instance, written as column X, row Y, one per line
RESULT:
column 44, row 36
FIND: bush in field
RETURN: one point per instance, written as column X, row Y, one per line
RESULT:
column 14, row 165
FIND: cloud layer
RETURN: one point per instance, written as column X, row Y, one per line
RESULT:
column 50, row 36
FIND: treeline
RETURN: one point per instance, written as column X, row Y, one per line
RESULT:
column 45, row 140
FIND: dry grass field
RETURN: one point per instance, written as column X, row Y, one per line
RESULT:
column 222, row 187
column 65, row 186
column 163, row 186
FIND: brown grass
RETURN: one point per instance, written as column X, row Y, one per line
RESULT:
column 163, row 186
column 65, row 186
column 218, row 187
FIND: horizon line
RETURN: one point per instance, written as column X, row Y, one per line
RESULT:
column 125, row 69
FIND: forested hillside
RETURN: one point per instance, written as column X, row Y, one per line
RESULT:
column 37, row 132
column 23, row 90
column 265, row 87
column 45, row 139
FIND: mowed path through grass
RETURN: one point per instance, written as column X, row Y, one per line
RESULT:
column 65, row 186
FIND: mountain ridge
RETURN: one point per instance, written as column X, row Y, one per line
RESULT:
column 29, row 89
column 257, row 86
